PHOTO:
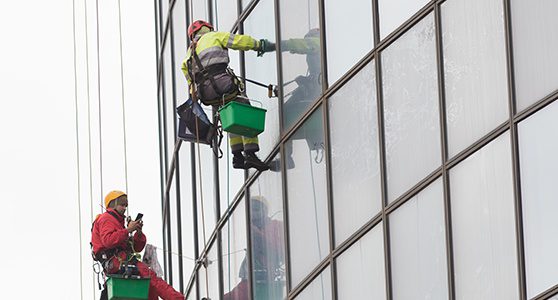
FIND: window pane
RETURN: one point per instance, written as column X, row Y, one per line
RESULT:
column 268, row 255
column 360, row 269
column 341, row 57
column 354, row 153
column 301, row 57
column 393, row 13
column 212, row 274
column 307, row 195
column 412, row 126
column 227, row 11
column 535, row 48
column 319, row 289
column 235, row 267
column 261, row 24
column 418, row 246
column 483, row 224
column 539, row 193
column 474, row 69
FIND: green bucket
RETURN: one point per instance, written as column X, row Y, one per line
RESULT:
column 119, row 288
column 242, row 119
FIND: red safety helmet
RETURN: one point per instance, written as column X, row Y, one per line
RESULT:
column 197, row 25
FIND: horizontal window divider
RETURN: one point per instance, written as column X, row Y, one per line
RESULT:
column 537, row 106
column 552, row 291
column 485, row 140
column 417, row 188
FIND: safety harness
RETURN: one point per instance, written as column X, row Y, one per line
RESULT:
column 204, row 74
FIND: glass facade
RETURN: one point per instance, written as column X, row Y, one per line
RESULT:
column 412, row 153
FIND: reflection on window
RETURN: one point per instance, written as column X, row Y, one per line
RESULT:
column 474, row 70
column 301, row 57
column 355, row 162
column 482, row 210
column 199, row 10
column 393, row 13
column 235, row 273
column 360, row 269
column 319, row 289
column 340, row 34
column 211, row 289
column 307, row 196
column 537, row 152
column 412, row 126
column 535, row 45
column 268, row 255
column 261, row 25
column 418, row 246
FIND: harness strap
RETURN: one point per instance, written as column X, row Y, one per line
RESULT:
column 204, row 72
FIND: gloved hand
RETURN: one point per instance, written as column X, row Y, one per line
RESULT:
column 265, row 46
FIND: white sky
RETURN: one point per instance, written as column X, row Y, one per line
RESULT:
column 39, row 176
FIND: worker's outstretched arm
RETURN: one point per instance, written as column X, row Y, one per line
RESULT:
column 236, row 41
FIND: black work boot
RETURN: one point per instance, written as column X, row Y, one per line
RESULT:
column 238, row 160
column 252, row 161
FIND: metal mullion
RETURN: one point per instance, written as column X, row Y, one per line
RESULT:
column 167, row 261
column 355, row 237
column 247, row 208
column 547, row 294
column 520, row 243
column 534, row 108
column 383, row 174
column 216, row 186
column 242, row 15
column 306, row 281
column 177, row 164
column 444, row 153
column 325, row 132
column 424, row 183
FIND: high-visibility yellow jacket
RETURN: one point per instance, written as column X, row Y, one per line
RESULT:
column 212, row 49
column 310, row 46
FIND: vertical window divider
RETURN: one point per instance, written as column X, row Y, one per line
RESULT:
column 444, row 152
column 382, row 148
column 381, row 133
column 514, row 140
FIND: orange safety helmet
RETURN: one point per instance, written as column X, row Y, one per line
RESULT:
column 113, row 195
column 197, row 25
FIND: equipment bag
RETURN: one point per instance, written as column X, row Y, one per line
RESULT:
column 190, row 113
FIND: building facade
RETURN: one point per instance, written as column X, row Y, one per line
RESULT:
column 412, row 148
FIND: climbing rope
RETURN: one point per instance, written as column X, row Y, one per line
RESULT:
column 77, row 150
column 122, row 91
column 99, row 104
column 201, row 199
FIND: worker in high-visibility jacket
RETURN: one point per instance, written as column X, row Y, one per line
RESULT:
column 213, row 82
column 113, row 246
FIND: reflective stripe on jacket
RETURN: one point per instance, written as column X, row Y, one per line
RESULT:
column 212, row 48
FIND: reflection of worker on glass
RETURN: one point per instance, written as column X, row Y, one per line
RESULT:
column 309, row 88
column 268, row 272
column 309, row 85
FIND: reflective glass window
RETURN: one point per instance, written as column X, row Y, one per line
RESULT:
column 235, row 265
column 307, row 196
column 355, row 162
column 319, row 289
column 474, row 69
column 227, row 12
column 360, row 269
column 199, row 10
column 301, row 57
column 482, row 210
column 537, row 153
column 534, row 49
column 393, row 13
column 418, row 246
column 211, row 289
column 412, row 126
column 261, row 24
column 267, row 236
column 205, row 192
column 347, row 43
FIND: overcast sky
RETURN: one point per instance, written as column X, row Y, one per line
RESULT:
column 42, row 136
